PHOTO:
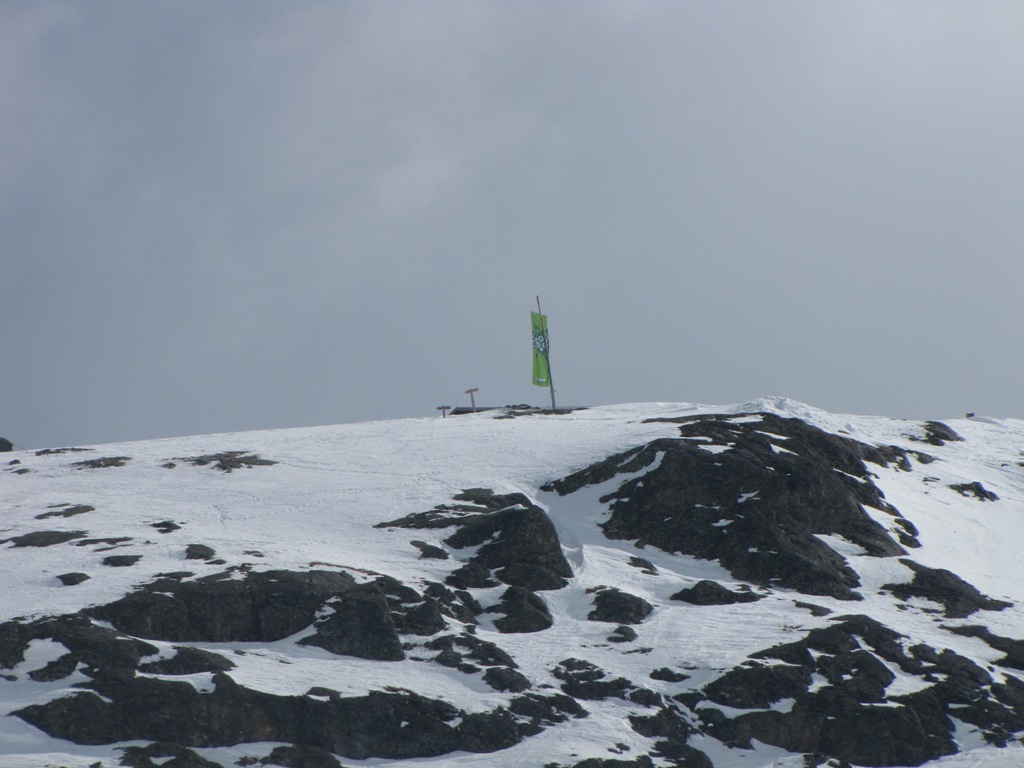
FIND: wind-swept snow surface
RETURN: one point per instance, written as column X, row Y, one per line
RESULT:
column 636, row 585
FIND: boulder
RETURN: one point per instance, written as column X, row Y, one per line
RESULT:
column 618, row 607
column 706, row 592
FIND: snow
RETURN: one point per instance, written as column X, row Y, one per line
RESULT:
column 318, row 505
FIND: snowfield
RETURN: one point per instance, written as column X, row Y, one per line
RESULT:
column 316, row 507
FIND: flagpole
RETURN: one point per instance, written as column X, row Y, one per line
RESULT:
column 551, row 378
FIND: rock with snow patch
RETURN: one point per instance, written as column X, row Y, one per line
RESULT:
column 707, row 592
column 359, row 625
column 524, row 611
column 753, row 493
column 618, row 607
column 942, row 586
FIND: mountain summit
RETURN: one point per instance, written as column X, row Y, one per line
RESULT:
column 632, row 586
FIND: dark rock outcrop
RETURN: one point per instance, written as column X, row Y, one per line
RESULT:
column 584, row 680
column 360, row 625
column 160, row 754
column 936, row 433
column 66, row 510
column 851, row 716
column 754, row 493
column 71, row 579
column 188, row 661
column 103, row 463
column 121, row 707
column 618, row 607
column 199, row 552
column 706, row 592
column 121, row 561
column 44, row 538
column 298, row 756
column 959, row 598
column 505, row 679
column 516, row 539
column 525, row 611
column 227, row 461
column 262, row 607
column 975, row 489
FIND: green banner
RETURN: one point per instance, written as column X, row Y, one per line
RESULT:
column 541, row 349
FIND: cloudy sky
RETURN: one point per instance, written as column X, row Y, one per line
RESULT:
column 243, row 215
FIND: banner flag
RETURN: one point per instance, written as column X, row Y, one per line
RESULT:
column 541, row 349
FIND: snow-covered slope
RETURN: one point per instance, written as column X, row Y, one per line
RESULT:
column 484, row 649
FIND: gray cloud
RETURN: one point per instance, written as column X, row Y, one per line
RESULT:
column 243, row 215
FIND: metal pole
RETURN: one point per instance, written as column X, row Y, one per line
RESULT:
column 472, row 399
column 444, row 410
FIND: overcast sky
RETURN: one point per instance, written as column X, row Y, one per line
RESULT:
column 224, row 216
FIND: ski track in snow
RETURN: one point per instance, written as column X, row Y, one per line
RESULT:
column 318, row 505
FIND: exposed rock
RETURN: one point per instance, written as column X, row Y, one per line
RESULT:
column 505, row 679
column 643, row 761
column 482, row 652
column 108, row 461
column 673, row 731
column 227, row 461
column 156, row 756
column 851, row 717
column 1014, row 649
column 429, row 551
column 299, row 756
column 425, row 618
column 524, row 611
column 71, row 579
column 6, row 446
column 121, row 561
column 754, row 508
column 516, row 540
column 618, row 607
column 360, row 625
column 548, row 709
column 471, row 576
column 66, row 510
column 706, row 592
column 937, row 433
column 109, row 543
column 815, row 610
column 644, row 565
column 199, row 552
column 96, row 647
column 57, row 669
column 668, row 675
column 959, row 598
column 907, row 533
column 758, row 686
column 975, row 489
column 519, row 544
column 44, row 538
column 167, row 526
column 622, row 634
column 262, row 607
column 121, row 707
column 188, row 661
column 583, row 680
